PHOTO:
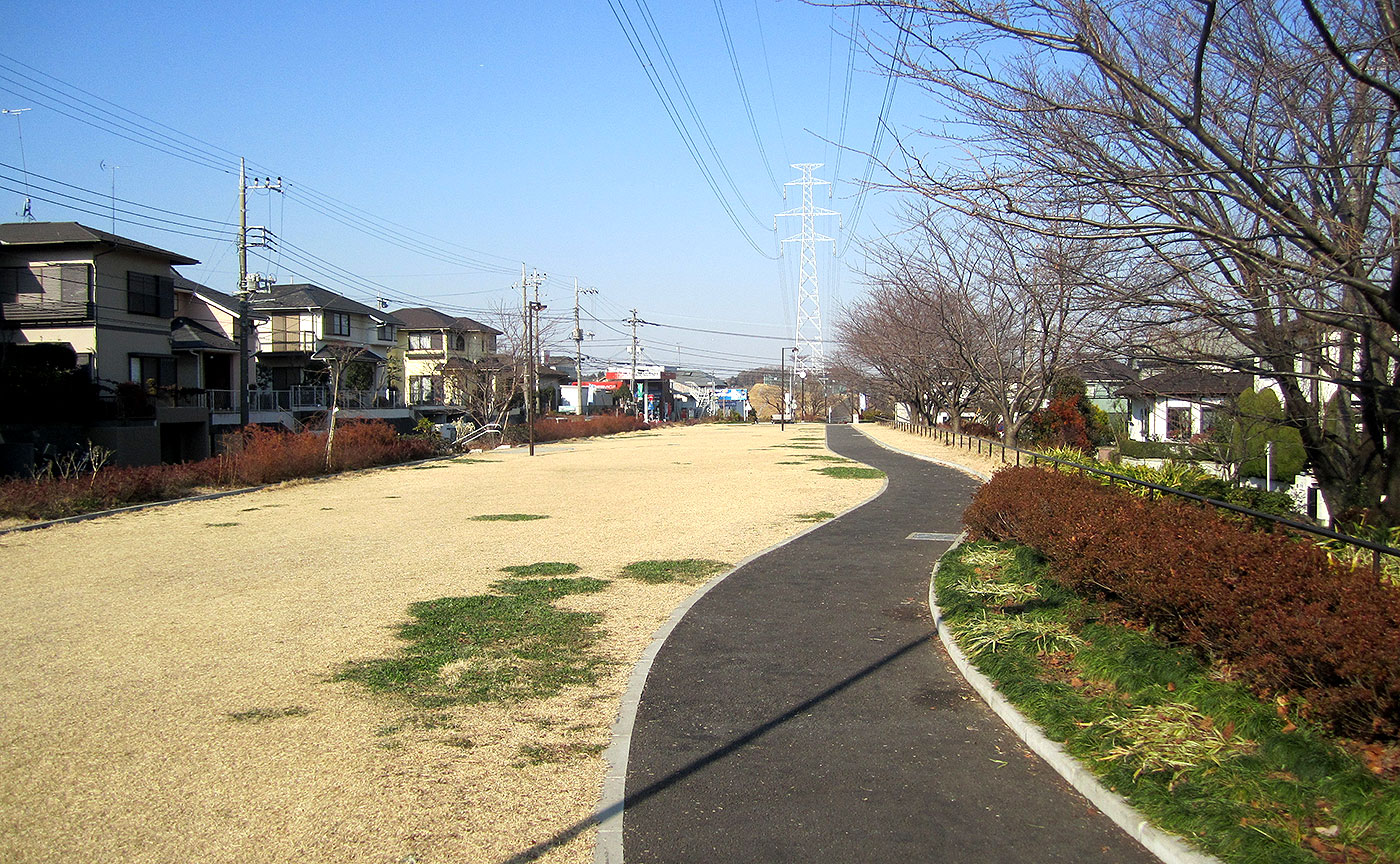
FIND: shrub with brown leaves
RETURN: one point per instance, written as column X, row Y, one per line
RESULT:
column 1272, row 606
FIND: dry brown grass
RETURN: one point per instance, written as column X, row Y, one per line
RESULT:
column 958, row 456
column 167, row 675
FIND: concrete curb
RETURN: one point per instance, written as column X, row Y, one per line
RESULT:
column 1168, row 847
column 610, row 804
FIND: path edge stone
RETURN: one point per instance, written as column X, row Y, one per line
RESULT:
column 1169, row 848
column 608, row 848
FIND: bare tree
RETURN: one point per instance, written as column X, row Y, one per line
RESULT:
column 1241, row 157
column 976, row 309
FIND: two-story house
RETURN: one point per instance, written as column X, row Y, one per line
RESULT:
column 315, row 339
column 437, row 355
column 105, row 303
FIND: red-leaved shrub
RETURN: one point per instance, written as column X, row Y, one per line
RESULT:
column 559, row 428
column 1272, row 606
column 261, row 454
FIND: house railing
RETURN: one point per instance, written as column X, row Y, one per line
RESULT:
column 303, row 398
column 1000, row 449
column 302, row 340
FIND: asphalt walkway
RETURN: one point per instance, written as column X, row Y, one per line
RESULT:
column 803, row 710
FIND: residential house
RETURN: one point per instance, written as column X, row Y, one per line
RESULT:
column 100, row 305
column 1179, row 403
column 436, row 356
column 1103, row 379
column 314, row 338
column 204, row 336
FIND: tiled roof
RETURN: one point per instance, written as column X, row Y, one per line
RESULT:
column 307, row 296
column 426, row 318
column 1190, row 381
column 73, row 234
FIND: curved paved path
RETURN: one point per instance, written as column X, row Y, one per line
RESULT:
column 802, row 711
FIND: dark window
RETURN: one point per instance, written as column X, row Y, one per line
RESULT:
column 150, row 295
column 388, row 332
column 1179, row 423
column 337, row 324
column 459, row 342
column 423, row 389
column 153, row 371
column 1208, row 418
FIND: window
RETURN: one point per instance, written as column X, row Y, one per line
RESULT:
column 388, row 332
column 425, row 341
column 459, row 342
column 153, row 370
column 1209, row 418
column 150, row 295
column 337, row 324
column 423, row 389
column 1179, row 423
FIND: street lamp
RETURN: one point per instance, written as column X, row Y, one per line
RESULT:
column 782, row 384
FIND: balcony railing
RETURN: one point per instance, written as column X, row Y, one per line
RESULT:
column 304, row 340
column 303, row 398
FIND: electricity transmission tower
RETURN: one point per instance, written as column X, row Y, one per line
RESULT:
column 808, row 336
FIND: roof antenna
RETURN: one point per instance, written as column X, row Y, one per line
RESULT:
column 27, row 214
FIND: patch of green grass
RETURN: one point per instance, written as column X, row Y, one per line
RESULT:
column 507, row 517
column 219, row 524
column 683, row 570
column 1199, row 755
column 822, row 457
column 791, row 462
column 799, row 446
column 425, row 467
column 504, row 647
column 852, row 472
column 818, row 516
column 541, row 569
column 543, row 754
column 467, row 460
column 261, row 715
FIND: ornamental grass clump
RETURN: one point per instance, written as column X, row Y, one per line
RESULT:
column 1171, row 737
column 1272, row 606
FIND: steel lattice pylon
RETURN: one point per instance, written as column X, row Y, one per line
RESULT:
column 808, row 334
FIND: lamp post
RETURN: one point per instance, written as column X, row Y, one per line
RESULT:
column 782, row 384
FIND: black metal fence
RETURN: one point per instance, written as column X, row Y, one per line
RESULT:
column 999, row 449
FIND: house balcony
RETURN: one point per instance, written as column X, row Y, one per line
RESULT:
column 45, row 311
column 302, row 398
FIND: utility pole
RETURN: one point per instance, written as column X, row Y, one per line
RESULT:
column 634, row 321
column 808, row 335
column 528, row 311
column 578, row 347
column 245, row 288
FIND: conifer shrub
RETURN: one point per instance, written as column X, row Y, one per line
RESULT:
column 1321, row 637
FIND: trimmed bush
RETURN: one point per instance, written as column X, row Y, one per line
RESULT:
column 1321, row 637
column 558, row 428
column 260, row 455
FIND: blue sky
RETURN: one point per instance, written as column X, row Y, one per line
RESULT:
column 523, row 132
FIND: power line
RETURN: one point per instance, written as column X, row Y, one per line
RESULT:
column 634, row 39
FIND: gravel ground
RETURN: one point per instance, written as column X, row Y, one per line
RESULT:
column 166, row 687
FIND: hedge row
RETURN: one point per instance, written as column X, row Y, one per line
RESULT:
column 558, row 429
column 260, row 455
column 1322, row 637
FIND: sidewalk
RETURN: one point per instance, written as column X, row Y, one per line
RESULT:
column 803, row 711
